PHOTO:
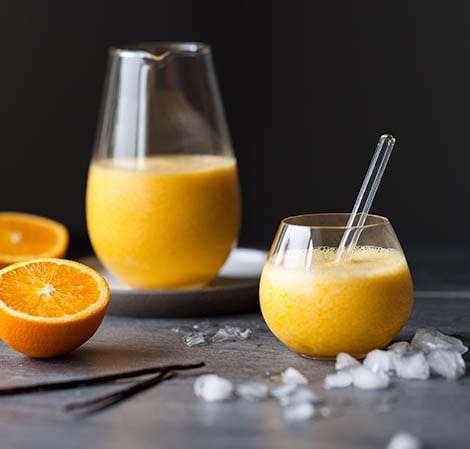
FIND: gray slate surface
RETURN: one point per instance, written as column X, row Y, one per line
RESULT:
column 170, row 416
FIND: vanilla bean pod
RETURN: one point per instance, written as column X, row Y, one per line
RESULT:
column 96, row 380
column 107, row 400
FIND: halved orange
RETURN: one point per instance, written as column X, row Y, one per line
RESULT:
column 26, row 236
column 49, row 307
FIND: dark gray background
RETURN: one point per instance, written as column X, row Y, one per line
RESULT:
column 307, row 86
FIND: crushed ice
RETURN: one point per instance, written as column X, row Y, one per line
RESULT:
column 231, row 333
column 252, row 391
column 194, row 339
column 295, row 395
column 341, row 379
column 282, row 391
column 295, row 398
column 292, row 376
column 445, row 363
column 206, row 332
column 430, row 352
column 379, row 361
column 425, row 340
column 297, row 401
column 412, row 365
column 399, row 347
column 365, row 379
column 298, row 412
column 211, row 387
column 345, row 361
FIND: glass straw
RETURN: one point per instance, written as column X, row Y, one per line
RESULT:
column 365, row 197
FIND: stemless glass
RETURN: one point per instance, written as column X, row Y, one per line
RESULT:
column 319, row 307
column 163, row 201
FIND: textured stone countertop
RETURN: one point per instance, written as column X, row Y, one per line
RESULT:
column 170, row 416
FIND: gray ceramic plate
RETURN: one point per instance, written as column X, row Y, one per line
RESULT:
column 235, row 290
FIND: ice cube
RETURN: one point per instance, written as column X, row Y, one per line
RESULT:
column 211, row 387
column 300, row 411
column 404, row 440
column 400, row 347
column 194, row 339
column 365, row 379
column 412, row 365
column 292, row 376
column 288, row 394
column 252, row 391
column 345, row 361
column 379, row 361
column 445, row 363
column 428, row 339
column 231, row 333
column 299, row 394
column 282, row 391
column 342, row 379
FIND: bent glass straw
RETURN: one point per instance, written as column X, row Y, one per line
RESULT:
column 365, row 197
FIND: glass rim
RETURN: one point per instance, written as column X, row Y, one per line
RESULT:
column 296, row 220
column 147, row 50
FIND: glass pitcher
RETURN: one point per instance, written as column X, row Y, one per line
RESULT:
column 163, row 200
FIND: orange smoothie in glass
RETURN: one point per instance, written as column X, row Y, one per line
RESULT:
column 166, row 221
column 330, row 307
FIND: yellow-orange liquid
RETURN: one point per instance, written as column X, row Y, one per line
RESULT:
column 330, row 307
column 165, row 221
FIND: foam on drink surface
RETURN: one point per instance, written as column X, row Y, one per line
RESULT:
column 365, row 261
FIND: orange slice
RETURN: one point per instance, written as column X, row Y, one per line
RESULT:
column 49, row 307
column 26, row 236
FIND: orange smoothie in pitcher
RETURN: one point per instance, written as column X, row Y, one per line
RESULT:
column 164, row 221
column 318, row 307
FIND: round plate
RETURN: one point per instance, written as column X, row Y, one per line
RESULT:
column 235, row 290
